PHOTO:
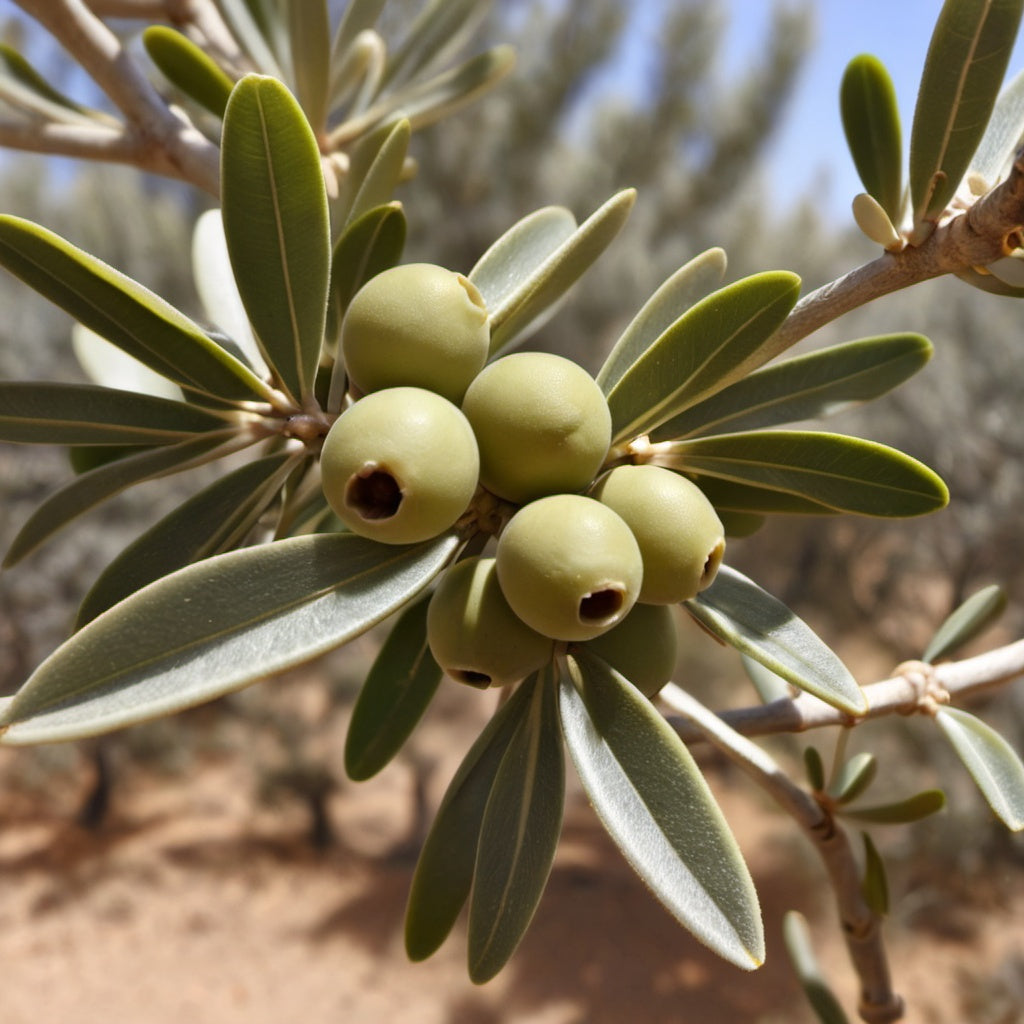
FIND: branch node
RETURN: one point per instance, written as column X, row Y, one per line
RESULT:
column 929, row 693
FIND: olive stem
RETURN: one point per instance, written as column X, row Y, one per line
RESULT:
column 861, row 926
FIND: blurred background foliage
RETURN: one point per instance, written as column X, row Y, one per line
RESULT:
column 554, row 133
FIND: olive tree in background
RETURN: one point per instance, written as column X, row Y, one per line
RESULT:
column 387, row 451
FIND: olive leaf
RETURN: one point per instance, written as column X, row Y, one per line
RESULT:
column 687, row 286
column 820, row 383
column 814, row 767
column 122, row 311
column 369, row 244
column 309, row 36
column 871, row 122
column 739, row 612
column 993, row 764
column 656, row 805
column 23, row 86
column 539, row 286
column 398, row 688
column 274, row 205
column 447, row 861
column 211, row 521
column 215, row 627
column 972, row 617
column 95, row 486
column 187, row 66
column 377, row 184
column 899, row 812
column 730, row 496
column 994, row 156
column 967, row 57
column 714, row 343
column 845, row 473
column 854, row 777
column 518, row 834
column 46, row 413
column 874, row 885
column 816, row 988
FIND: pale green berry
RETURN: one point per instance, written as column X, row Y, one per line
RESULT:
column 400, row 466
column 474, row 635
column 680, row 535
column 416, row 324
column 643, row 647
column 569, row 566
column 542, row 424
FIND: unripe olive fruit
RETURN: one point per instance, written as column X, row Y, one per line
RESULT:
column 416, row 324
column 643, row 647
column 680, row 535
column 542, row 424
column 474, row 635
column 569, row 566
column 400, row 466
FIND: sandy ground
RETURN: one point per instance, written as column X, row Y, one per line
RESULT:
column 196, row 902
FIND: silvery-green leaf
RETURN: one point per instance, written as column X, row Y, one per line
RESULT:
column 215, row 627
column 814, row 767
column 854, row 777
column 769, row 686
column 797, row 938
column 218, row 293
column 188, row 67
column 211, row 521
column 122, row 311
column 109, row 366
column 987, row 282
column 874, row 885
column 427, row 102
column 518, row 835
column 819, row 383
column 368, row 245
column 713, row 344
column 400, row 685
column 536, row 291
column 274, row 205
column 444, row 871
column 309, row 34
column 438, row 31
column 845, row 473
column 92, row 488
column 246, row 28
column 688, row 285
column 738, row 611
column 740, row 524
column 871, row 122
column 358, row 16
column 23, row 86
column 963, row 72
column 34, row 412
column 730, row 496
column 993, row 764
column 381, row 178
column 900, row 812
column 972, row 617
column 520, row 252
column 656, row 805
column 1009, row 270
column 1002, row 138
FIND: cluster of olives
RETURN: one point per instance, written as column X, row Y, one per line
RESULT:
column 578, row 561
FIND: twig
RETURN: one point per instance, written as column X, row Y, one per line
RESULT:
column 861, row 926
column 987, row 231
column 157, row 136
column 915, row 687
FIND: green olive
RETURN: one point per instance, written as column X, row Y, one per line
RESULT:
column 542, row 424
column 569, row 566
column 680, row 535
column 643, row 647
column 416, row 324
column 400, row 465
column 474, row 635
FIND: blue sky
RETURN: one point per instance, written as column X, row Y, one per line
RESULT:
column 810, row 151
